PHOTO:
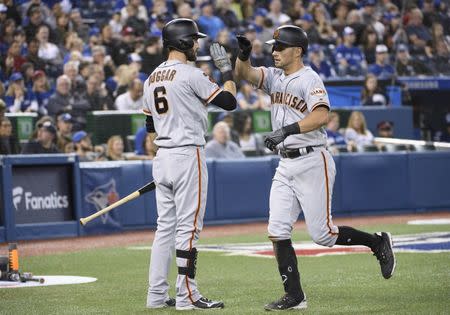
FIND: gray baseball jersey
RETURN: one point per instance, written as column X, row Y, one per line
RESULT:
column 304, row 183
column 176, row 95
column 293, row 97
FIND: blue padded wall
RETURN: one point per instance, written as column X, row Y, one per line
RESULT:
column 242, row 192
column 429, row 179
column 372, row 181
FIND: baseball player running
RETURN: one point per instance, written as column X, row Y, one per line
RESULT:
column 176, row 96
column 305, row 176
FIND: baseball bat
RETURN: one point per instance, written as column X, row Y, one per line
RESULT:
column 144, row 189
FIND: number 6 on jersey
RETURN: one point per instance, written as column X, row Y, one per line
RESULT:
column 161, row 105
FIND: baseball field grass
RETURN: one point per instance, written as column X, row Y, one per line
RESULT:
column 340, row 284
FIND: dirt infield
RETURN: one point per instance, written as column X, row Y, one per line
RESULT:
column 45, row 247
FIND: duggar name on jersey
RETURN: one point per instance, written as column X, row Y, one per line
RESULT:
column 163, row 75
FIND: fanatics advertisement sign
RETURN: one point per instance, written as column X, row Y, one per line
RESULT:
column 42, row 194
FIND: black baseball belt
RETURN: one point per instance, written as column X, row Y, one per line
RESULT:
column 295, row 153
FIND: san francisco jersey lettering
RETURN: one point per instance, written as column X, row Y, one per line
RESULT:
column 293, row 97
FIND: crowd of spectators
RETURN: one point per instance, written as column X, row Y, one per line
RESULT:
column 72, row 57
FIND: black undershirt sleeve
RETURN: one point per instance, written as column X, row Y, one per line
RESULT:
column 149, row 124
column 225, row 100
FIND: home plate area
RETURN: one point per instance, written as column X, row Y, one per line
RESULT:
column 436, row 242
column 48, row 280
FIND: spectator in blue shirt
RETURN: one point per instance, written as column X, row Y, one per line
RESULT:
column 349, row 59
column 318, row 64
column 208, row 22
column 418, row 35
column 381, row 68
column 334, row 137
column 18, row 98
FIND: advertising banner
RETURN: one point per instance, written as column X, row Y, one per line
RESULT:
column 99, row 190
column 42, row 194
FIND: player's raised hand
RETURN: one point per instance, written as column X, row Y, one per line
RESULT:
column 245, row 47
column 220, row 57
column 274, row 138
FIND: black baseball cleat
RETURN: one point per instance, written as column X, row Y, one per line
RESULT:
column 202, row 304
column 170, row 302
column 287, row 302
column 385, row 254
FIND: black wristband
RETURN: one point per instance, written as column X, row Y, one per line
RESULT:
column 292, row 129
column 227, row 76
column 244, row 55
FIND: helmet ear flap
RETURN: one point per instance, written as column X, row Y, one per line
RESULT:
column 186, row 44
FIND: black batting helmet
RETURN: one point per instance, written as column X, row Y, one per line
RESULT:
column 290, row 35
column 180, row 34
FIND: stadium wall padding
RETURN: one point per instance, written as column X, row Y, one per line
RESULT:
column 238, row 191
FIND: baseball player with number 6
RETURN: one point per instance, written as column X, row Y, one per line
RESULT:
column 305, row 175
column 176, row 96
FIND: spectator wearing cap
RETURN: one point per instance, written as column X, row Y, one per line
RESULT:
column 132, row 99
column 208, row 22
column 3, row 13
column 259, row 19
column 18, row 98
column 349, row 59
column 368, row 11
column 276, row 15
column 41, row 88
column 226, row 14
column 406, row 66
column 385, row 129
column 45, row 141
column 318, row 63
column 48, row 51
column 78, row 25
column 372, row 94
column 151, row 55
column 307, row 23
column 8, row 142
column 83, row 147
column 381, row 68
column 64, row 127
column 418, row 35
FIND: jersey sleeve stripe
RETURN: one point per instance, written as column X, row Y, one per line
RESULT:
column 213, row 95
column 261, row 82
column 147, row 112
column 320, row 104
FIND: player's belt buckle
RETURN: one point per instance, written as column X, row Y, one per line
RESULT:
column 292, row 154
